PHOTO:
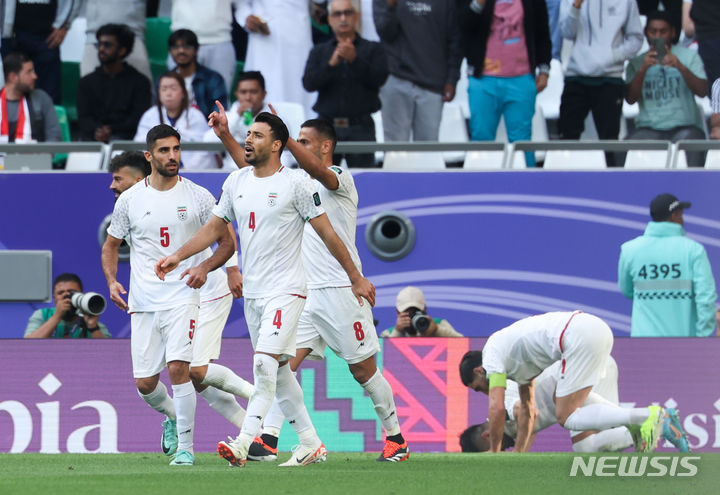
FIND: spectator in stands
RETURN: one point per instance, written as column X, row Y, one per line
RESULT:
column 126, row 170
column 715, row 117
column 204, row 85
column 173, row 108
column 665, row 88
column 279, row 41
column 211, row 22
column 347, row 72
column 672, row 9
column 668, row 277
column 22, row 102
column 604, row 35
column 111, row 99
column 706, row 17
column 250, row 101
column 508, row 49
column 422, row 42
column 37, row 29
column 413, row 320
column 128, row 12
column 64, row 321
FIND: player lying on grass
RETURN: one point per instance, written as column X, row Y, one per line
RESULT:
column 476, row 438
column 521, row 351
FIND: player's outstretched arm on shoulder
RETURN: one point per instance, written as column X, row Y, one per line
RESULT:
column 361, row 287
column 219, row 123
column 109, row 259
column 197, row 275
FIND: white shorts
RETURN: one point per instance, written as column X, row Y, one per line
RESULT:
column 272, row 322
column 334, row 316
column 158, row 337
column 585, row 344
column 211, row 323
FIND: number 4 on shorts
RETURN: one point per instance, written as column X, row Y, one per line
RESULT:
column 277, row 321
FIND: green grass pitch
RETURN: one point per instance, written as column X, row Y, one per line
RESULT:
column 343, row 473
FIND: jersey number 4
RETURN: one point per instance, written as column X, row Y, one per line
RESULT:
column 251, row 222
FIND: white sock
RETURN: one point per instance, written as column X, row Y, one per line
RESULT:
column 290, row 399
column 381, row 395
column 160, row 400
column 225, row 404
column 185, row 400
column 612, row 440
column 219, row 376
column 265, row 371
column 273, row 419
column 604, row 416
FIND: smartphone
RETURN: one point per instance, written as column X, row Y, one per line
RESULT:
column 659, row 46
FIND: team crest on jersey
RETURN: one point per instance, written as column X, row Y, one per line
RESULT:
column 182, row 212
column 272, row 199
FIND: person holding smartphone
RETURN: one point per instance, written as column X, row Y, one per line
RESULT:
column 664, row 81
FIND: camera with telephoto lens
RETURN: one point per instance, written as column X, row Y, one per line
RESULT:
column 419, row 321
column 89, row 303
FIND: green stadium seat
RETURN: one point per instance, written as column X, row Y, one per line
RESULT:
column 70, row 79
column 157, row 32
column 64, row 131
column 239, row 67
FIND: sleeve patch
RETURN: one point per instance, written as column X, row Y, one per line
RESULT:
column 316, row 199
column 337, row 169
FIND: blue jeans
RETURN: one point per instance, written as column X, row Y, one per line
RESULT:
column 511, row 97
column 553, row 8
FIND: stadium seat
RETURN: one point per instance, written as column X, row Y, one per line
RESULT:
column 64, row 131
column 413, row 161
column 713, row 159
column 484, row 160
column 646, row 159
column 574, row 160
column 379, row 135
column 239, row 67
column 453, row 129
column 70, row 78
column 157, row 32
column 73, row 46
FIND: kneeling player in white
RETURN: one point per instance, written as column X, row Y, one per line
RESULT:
column 156, row 216
column 582, row 343
column 332, row 315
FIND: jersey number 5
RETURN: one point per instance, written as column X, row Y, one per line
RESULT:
column 164, row 237
column 251, row 222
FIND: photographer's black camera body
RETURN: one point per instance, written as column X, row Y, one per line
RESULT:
column 419, row 321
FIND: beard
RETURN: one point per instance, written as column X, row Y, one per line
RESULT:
column 165, row 172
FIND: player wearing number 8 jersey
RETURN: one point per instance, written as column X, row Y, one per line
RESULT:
column 332, row 315
column 668, row 277
column 156, row 216
column 271, row 205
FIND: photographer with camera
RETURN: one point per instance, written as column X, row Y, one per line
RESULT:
column 75, row 315
column 413, row 320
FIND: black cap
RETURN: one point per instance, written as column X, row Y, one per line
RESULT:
column 664, row 204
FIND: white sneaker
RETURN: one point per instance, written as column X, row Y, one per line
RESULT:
column 233, row 451
column 304, row 455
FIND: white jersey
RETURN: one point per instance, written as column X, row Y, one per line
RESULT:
column 270, row 213
column 525, row 348
column 155, row 224
column 544, row 392
column 321, row 268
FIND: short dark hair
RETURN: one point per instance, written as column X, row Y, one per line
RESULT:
column 184, row 35
column 659, row 15
column 470, row 361
column 67, row 277
column 123, row 34
column 471, row 441
column 277, row 126
column 324, row 128
column 251, row 75
column 160, row 131
column 13, row 62
column 132, row 159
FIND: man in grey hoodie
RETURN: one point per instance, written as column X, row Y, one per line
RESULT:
column 605, row 33
column 422, row 41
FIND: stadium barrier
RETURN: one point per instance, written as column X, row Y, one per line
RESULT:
column 79, row 396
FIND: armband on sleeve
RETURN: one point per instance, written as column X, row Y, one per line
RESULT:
column 232, row 261
column 498, row 380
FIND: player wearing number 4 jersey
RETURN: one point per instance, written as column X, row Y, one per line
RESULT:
column 156, row 216
column 520, row 352
column 332, row 316
column 271, row 205
column 668, row 277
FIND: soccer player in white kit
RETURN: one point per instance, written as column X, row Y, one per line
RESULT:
column 156, row 216
column 271, row 205
column 215, row 383
column 332, row 315
column 582, row 343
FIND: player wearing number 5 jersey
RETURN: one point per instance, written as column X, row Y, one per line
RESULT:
column 271, row 204
column 331, row 315
column 156, row 216
column 668, row 277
